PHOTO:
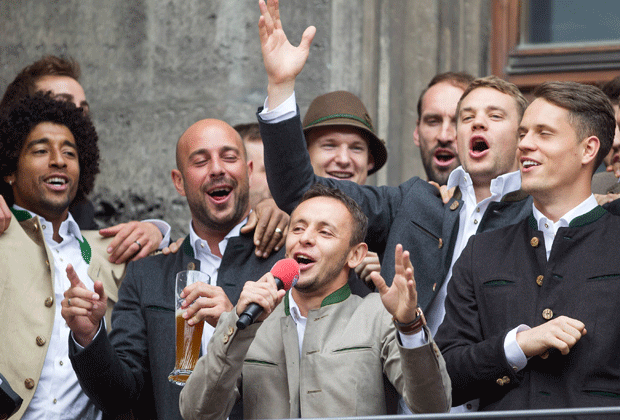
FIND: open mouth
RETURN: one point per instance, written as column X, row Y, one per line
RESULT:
column 220, row 193
column 444, row 157
column 479, row 145
column 340, row 174
column 303, row 260
column 57, row 183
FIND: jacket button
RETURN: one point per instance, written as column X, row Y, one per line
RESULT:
column 547, row 314
column 47, row 263
column 539, row 280
column 231, row 330
column 49, row 302
column 440, row 243
column 40, row 341
column 500, row 381
column 454, row 205
column 35, row 227
column 534, row 242
column 191, row 266
column 225, row 339
column 29, row 383
column 434, row 287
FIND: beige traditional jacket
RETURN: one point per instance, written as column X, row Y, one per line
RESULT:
column 349, row 343
column 27, row 306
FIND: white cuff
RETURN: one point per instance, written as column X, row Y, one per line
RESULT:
column 78, row 345
column 164, row 228
column 284, row 111
column 514, row 355
column 412, row 341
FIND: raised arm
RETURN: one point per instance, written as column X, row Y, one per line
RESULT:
column 283, row 62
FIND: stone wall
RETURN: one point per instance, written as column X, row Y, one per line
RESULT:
column 151, row 68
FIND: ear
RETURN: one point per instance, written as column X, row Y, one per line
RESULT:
column 10, row 179
column 357, row 254
column 371, row 162
column 591, row 147
column 416, row 135
column 177, row 180
column 250, row 168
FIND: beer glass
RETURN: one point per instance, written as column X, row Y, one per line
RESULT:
column 188, row 338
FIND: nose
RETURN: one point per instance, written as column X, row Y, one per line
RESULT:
column 525, row 142
column 342, row 157
column 57, row 159
column 217, row 168
column 479, row 122
column 307, row 237
column 448, row 132
column 616, row 144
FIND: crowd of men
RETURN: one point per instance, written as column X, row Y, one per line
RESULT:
column 490, row 285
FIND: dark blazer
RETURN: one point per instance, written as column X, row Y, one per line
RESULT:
column 129, row 369
column 502, row 280
column 411, row 214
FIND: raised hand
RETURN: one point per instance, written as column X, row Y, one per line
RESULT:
column 83, row 309
column 561, row 333
column 369, row 264
column 401, row 298
column 283, row 62
column 270, row 225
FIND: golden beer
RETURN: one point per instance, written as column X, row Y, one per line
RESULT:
column 188, row 338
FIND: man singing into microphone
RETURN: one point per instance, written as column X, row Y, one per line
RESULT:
column 323, row 352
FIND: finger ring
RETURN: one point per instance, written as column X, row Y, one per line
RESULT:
column 278, row 230
column 139, row 244
column 69, row 302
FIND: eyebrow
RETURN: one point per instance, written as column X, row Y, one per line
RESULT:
column 45, row 140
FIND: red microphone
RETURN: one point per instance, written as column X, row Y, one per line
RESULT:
column 286, row 273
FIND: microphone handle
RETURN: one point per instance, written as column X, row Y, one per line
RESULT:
column 253, row 311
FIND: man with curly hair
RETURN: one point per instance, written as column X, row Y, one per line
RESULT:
column 48, row 158
column 59, row 77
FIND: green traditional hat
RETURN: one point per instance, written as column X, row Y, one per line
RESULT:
column 344, row 108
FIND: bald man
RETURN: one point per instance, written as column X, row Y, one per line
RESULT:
column 129, row 369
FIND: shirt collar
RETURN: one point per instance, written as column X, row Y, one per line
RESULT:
column 584, row 207
column 68, row 227
column 196, row 240
column 294, row 309
column 500, row 186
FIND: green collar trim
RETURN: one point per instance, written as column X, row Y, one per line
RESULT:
column 579, row 221
column 338, row 296
column 590, row 217
column 85, row 249
column 187, row 247
column 21, row 215
column 348, row 116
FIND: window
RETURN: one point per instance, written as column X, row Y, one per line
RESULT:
column 538, row 40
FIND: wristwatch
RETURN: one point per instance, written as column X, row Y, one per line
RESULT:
column 413, row 326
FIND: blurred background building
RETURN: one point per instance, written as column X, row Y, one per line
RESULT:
column 150, row 68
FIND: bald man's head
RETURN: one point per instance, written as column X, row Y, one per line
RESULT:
column 213, row 173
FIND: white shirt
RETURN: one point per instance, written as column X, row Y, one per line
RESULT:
column 210, row 264
column 58, row 395
column 514, row 355
column 470, row 216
